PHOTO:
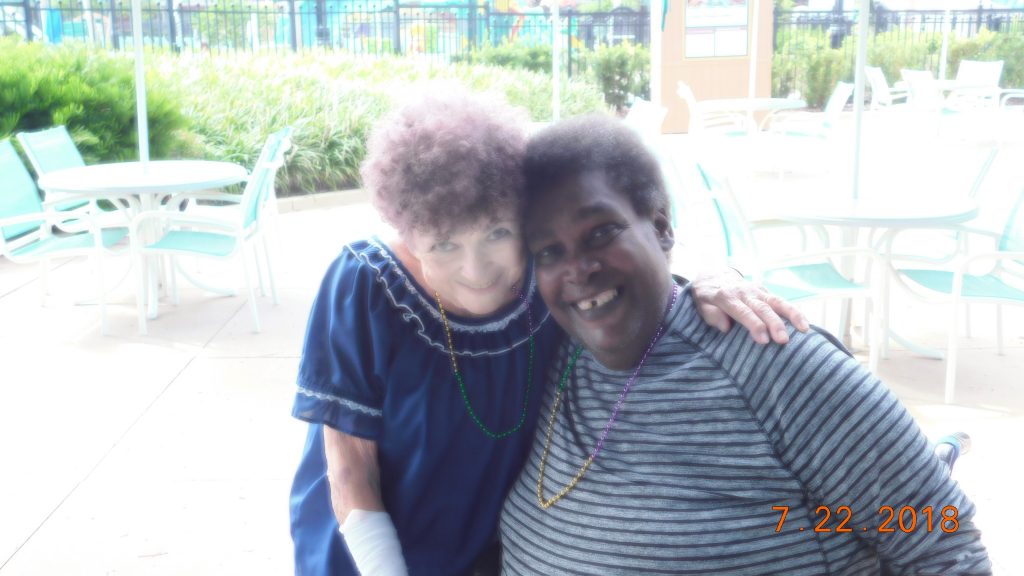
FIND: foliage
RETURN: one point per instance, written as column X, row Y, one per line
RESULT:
column 805, row 63
column 222, row 108
column 509, row 55
column 92, row 93
column 620, row 71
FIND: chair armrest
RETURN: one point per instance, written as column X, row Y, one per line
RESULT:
column 175, row 201
column 1009, row 95
column 796, row 121
column 183, row 220
column 821, row 254
column 47, row 219
column 992, row 256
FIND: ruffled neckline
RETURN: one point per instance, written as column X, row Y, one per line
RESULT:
column 493, row 334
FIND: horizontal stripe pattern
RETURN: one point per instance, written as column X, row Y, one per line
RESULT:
column 715, row 432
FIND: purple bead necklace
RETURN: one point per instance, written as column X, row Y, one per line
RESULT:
column 546, row 503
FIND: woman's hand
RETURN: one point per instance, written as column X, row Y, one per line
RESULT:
column 725, row 296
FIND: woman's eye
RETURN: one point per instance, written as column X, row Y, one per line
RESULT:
column 445, row 246
column 499, row 234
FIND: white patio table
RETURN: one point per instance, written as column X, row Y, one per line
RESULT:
column 149, row 182
column 890, row 213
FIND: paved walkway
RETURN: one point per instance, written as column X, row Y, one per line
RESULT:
column 172, row 453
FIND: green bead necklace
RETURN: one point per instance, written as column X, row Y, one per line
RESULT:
column 462, row 386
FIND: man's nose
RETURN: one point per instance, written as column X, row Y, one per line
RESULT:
column 581, row 268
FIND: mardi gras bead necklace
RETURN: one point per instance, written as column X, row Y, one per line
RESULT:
column 462, row 385
column 546, row 503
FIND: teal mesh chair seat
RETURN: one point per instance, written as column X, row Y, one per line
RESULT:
column 221, row 233
column 986, row 287
column 26, row 224
column 1002, row 284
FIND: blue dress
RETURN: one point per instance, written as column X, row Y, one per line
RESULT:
column 375, row 365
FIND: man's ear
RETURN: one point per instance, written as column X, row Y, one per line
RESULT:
column 663, row 229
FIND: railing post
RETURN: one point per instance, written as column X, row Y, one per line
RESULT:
column 487, row 22
column 322, row 33
column 397, row 34
column 568, row 49
column 294, row 21
column 775, row 29
column 27, row 6
column 113, row 26
column 471, row 23
column 170, row 18
column 981, row 14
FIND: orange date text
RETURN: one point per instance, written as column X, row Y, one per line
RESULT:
column 890, row 519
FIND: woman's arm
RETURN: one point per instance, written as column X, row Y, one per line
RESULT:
column 725, row 296
column 354, row 476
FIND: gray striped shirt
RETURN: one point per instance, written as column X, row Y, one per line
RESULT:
column 716, row 432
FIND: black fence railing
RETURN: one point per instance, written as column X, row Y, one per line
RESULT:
column 435, row 31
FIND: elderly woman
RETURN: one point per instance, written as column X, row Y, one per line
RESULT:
column 668, row 447
column 421, row 371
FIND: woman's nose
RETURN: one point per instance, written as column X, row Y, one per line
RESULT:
column 476, row 268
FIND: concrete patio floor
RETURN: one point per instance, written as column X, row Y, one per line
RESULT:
column 173, row 453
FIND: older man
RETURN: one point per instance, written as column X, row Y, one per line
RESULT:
column 669, row 447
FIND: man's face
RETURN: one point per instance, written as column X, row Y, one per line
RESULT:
column 601, row 268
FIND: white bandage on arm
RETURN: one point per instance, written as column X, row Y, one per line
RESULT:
column 373, row 543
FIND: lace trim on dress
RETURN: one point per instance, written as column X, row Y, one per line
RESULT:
column 414, row 308
column 342, row 401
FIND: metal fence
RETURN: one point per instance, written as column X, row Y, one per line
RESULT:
column 908, row 25
column 435, row 31
column 431, row 29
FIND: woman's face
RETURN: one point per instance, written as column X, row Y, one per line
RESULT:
column 474, row 268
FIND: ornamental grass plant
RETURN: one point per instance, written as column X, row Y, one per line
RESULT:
column 222, row 108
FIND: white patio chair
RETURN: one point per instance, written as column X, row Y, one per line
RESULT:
column 707, row 122
column 978, row 83
column 26, row 225
column 1002, row 282
column 883, row 95
column 218, row 237
column 50, row 150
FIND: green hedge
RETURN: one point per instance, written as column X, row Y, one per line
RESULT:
column 223, row 108
column 620, row 72
column 92, row 93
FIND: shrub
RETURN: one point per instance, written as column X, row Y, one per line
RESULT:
column 620, row 71
column 332, row 100
column 509, row 55
column 92, row 93
column 223, row 108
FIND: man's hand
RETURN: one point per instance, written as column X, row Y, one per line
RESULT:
column 725, row 296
